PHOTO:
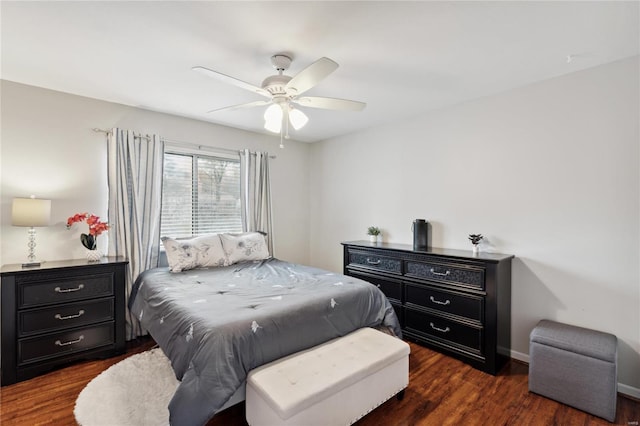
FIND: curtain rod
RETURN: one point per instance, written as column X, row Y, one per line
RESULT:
column 185, row 144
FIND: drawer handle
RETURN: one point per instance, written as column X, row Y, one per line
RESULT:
column 78, row 315
column 370, row 262
column 442, row 330
column 70, row 342
column 442, row 274
column 68, row 290
column 437, row 302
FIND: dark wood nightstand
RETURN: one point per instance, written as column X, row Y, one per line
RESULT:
column 60, row 312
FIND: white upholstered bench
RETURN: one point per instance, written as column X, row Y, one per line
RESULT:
column 335, row 383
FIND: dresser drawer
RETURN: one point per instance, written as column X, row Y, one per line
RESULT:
column 38, row 293
column 466, row 306
column 449, row 273
column 376, row 262
column 444, row 330
column 390, row 287
column 65, row 316
column 397, row 308
column 63, row 343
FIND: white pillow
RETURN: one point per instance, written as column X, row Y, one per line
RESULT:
column 244, row 247
column 198, row 252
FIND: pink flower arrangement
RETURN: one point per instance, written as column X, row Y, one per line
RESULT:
column 96, row 227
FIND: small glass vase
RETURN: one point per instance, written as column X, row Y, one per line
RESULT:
column 94, row 255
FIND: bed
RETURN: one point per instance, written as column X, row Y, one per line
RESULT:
column 217, row 324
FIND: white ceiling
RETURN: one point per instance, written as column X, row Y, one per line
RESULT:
column 401, row 58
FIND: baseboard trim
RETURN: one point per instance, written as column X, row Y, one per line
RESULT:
column 622, row 388
column 520, row 356
column 629, row 391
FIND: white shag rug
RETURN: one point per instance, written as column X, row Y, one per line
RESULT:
column 136, row 391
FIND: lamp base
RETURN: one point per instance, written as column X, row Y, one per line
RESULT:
column 31, row 259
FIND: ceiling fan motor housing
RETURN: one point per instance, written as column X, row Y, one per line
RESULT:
column 276, row 84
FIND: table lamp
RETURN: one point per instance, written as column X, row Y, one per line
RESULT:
column 31, row 212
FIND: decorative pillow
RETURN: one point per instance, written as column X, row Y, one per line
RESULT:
column 243, row 247
column 198, row 252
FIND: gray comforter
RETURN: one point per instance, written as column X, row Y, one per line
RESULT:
column 215, row 325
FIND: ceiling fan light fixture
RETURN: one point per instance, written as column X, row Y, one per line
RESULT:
column 273, row 126
column 297, row 118
column 273, row 118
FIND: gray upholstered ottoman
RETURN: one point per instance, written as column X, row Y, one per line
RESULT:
column 575, row 366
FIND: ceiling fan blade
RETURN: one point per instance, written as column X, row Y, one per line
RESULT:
column 231, row 80
column 241, row 106
column 312, row 75
column 330, row 103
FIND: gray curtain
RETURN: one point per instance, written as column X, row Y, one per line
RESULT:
column 255, row 194
column 135, row 200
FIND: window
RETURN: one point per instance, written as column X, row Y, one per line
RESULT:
column 200, row 195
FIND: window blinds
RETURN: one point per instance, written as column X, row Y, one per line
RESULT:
column 200, row 195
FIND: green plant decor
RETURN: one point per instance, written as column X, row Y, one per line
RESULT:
column 373, row 230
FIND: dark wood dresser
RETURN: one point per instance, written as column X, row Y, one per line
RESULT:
column 60, row 312
column 450, row 300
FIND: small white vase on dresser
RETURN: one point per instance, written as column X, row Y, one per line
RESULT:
column 94, row 255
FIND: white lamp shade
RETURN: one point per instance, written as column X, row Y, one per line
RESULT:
column 30, row 212
column 297, row 118
column 273, row 118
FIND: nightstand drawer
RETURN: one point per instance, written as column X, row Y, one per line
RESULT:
column 63, row 290
column 443, row 272
column 373, row 261
column 58, row 344
column 444, row 330
column 65, row 316
column 60, row 312
column 466, row 306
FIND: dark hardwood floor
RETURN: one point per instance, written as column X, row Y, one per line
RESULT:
column 442, row 391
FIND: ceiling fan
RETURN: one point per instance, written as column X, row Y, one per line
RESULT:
column 284, row 91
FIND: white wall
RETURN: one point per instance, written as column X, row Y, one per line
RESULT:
column 48, row 149
column 547, row 172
